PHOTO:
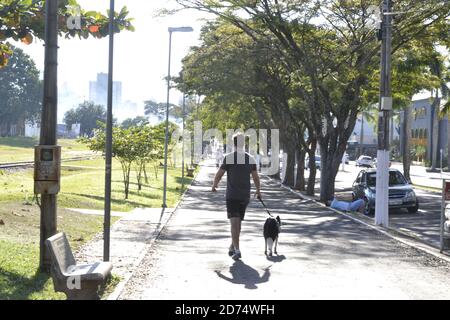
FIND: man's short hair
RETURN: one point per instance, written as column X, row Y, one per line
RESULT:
column 239, row 140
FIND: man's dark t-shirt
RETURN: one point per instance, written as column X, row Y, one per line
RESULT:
column 239, row 166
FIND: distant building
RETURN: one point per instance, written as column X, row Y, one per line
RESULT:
column 422, row 128
column 98, row 91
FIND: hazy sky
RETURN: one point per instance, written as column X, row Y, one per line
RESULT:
column 141, row 57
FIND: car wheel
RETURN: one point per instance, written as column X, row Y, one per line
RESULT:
column 415, row 208
column 368, row 210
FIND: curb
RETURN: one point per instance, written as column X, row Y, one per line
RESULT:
column 115, row 295
column 428, row 188
column 413, row 242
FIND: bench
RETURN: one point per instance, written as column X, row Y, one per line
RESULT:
column 78, row 282
column 190, row 172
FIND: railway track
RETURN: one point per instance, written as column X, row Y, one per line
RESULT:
column 30, row 164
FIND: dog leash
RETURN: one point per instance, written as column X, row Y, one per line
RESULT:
column 265, row 207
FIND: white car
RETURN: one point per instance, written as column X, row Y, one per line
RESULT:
column 364, row 161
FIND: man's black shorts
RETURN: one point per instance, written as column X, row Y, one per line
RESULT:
column 236, row 208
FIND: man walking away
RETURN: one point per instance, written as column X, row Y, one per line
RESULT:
column 238, row 165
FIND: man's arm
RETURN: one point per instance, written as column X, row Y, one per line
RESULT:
column 257, row 182
column 217, row 179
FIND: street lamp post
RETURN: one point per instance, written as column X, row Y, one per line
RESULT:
column 108, row 149
column 382, row 182
column 166, row 141
column 182, row 148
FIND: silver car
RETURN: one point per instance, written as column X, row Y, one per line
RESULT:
column 364, row 161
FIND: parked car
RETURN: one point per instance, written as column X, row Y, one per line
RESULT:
column 317, row 163
column 401, row 193
column 364, row 161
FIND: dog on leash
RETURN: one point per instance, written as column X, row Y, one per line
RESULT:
column 272, row 228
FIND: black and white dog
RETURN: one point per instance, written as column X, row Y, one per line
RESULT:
column 272, row 228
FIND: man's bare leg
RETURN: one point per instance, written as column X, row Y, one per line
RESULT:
column 235, row 231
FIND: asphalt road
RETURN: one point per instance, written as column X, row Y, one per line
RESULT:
column 424, row 224
column 323, row 255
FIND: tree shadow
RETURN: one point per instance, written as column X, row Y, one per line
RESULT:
column 244, row 274
column 114, row 201
column 19, row 287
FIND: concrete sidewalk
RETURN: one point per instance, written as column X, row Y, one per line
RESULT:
column 131, row 236
column 323, row 255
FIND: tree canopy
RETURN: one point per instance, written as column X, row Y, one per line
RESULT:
column 23, row 20
column 88, row 115
column 20, row 90
column 314, row 63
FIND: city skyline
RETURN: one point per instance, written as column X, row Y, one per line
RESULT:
column 140, row 57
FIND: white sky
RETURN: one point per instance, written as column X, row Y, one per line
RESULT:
column 141, row 57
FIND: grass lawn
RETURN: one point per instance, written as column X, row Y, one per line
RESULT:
column 83, row 183
column 14, row 149
column 82, row 186
column 19, row 249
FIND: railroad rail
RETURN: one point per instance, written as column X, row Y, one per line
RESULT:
column 30, row 164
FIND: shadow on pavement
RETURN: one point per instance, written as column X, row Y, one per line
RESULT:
column 277, row 258
column 244, row 274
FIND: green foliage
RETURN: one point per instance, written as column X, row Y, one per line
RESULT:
column 135, row 122
column 314, row 64
column 159, row 109
column 133, row 147
column 20, row 90
column 88, row 115
column 23, row 20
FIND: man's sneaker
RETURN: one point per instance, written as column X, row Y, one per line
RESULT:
column 231, row 251
column 237, row 255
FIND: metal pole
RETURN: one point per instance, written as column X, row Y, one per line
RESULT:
column 48, row 126
column 109, row 139
column 382, row 182
column 182, row 148
column 166, row 141
column 361, row 137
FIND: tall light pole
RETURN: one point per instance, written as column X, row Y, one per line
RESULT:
column 182, row 148
column 108, row 151
column 382, row 182
column 166, row 141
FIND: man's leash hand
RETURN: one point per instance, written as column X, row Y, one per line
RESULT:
column 258, row 195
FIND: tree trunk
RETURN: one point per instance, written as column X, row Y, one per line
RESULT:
column 300, row 179
column 289, row 176
column 330, row 162
column 407, row 142
column 310, row 189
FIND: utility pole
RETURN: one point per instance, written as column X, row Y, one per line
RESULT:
column 382, row 183
column 166, row 140
column 361, row 136
column 109, row 138
column 48, row 125
column 182, row 148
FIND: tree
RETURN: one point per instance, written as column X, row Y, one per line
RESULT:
column 159, row 109
column 20, row 91
column 122, row 149
column 88, row 115
column 23, row 20
column 135, row 122
column 331, row 51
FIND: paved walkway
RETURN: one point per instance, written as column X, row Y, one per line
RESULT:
column 130, row 237
column 322, row 255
